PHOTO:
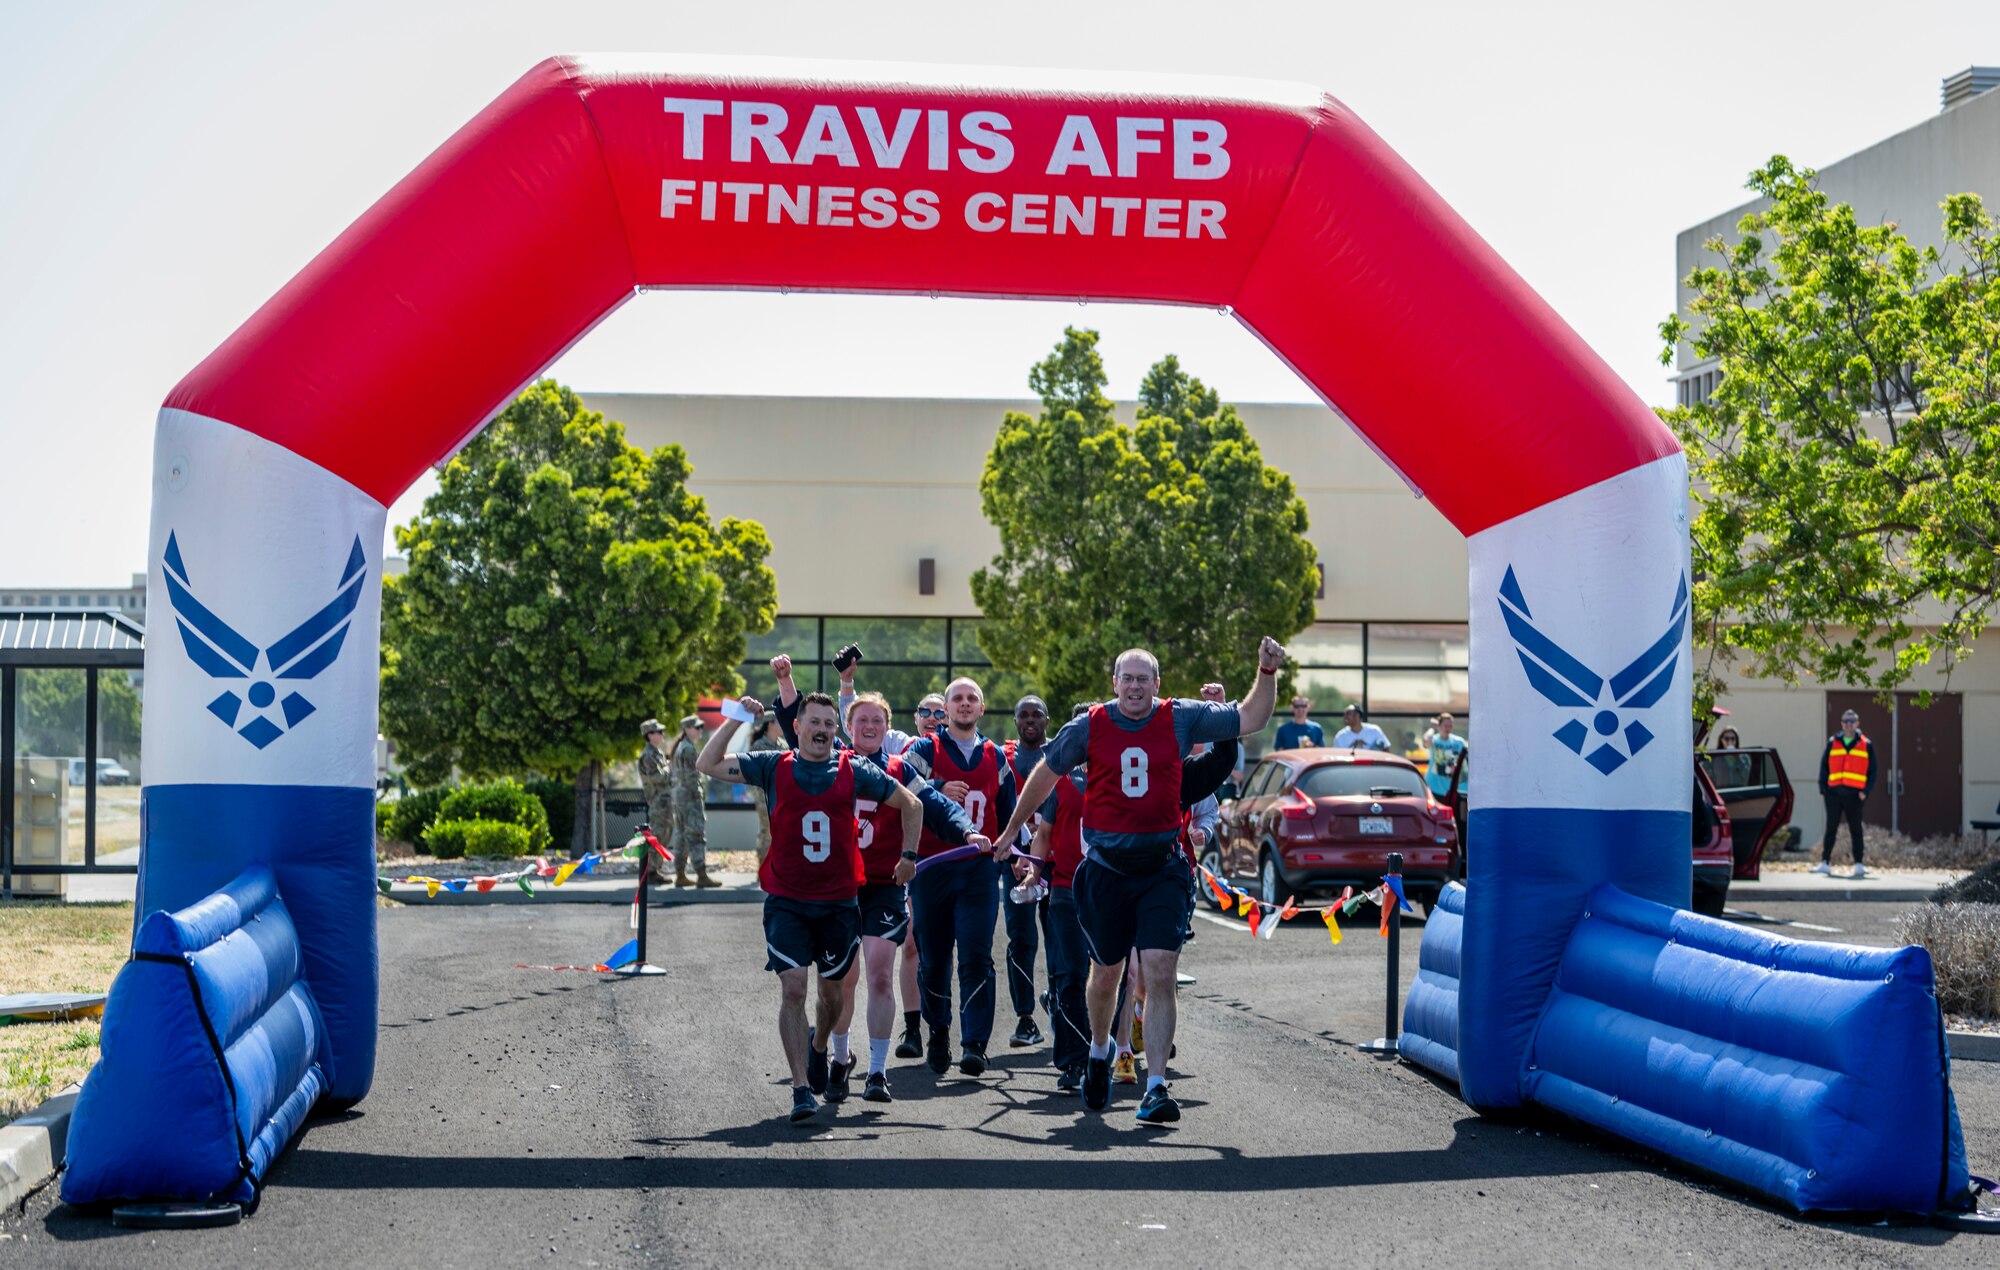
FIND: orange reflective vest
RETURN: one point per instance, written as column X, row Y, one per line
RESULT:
column 1847, row 765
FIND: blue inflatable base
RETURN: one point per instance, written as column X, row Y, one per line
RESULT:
column 1815, row 1075
column 213, row 1054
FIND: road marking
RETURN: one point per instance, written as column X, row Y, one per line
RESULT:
column 1742, row 915
column 1220, row 920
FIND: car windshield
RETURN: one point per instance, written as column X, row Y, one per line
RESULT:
column 1361, row 780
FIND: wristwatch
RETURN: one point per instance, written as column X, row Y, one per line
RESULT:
column 910, row 855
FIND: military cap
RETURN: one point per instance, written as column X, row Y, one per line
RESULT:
column 649, row 727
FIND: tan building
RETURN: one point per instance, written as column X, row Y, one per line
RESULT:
column 1940, row 767
column 902, row 475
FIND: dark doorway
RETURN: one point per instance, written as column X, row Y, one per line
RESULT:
column 1918, row 787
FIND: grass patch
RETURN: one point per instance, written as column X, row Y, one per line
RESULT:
column 47, row 947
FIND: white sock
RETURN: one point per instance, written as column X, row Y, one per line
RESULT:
column 1100, row 1049
column 1154, row 1081
column 838, row 1051
column 878, row 1054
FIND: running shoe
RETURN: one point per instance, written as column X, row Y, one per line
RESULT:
column 1025, row 1034
column 912, row 1045
column 938, row 1052
column 1070, row 1080
column 836, row 1080
column 815, row 1067
column 1096, row 1083
column 1125, row 1071
column 1138, row 1034
column 1822, row 867
column 803, row 1106
column 973, row 1061
column 1158, row 1107
column 877, row 1088
column 1859, row 872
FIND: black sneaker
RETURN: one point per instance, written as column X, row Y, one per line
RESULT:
column 1096, row 1083
column 1158, row 1107
column 973, row 1061
column 912, row 1045
column 876, row 1089
column 1026, row 1034
column 836, row 1080
column 1070, row 1080
column 938, row 1052
column 815, row 1067
column 803, row 1106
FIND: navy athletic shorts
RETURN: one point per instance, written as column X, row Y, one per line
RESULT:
column 885, row 911
column 811, row 933
column 1123, row 911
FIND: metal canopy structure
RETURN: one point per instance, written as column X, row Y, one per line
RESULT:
column 89, row 640
column 71, row 637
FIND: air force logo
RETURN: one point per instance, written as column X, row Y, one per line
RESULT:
column 301, row 654
column 1570, row 684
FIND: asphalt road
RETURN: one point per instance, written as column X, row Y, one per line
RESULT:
column 536, row 1118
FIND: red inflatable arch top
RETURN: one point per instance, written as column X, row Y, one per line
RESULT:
column 590, row 179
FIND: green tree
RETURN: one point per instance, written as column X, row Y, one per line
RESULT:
column 562, row 586
column 49, row 715
column 1844, row 469
column 1169, row 533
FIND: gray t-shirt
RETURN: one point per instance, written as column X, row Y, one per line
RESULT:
column 1194, row 722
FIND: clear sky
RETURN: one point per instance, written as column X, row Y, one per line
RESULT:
column 167, row 167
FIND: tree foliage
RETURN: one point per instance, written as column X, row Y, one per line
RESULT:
column 1169, row 533
column 49, row 712
column 563, row 585
column 1848, row 511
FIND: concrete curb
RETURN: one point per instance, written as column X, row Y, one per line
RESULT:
column 1898, row 893
column 32, row 1148
column 1975, row 1047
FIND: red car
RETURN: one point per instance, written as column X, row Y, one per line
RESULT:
column 1741, row 800
column 1311, row 821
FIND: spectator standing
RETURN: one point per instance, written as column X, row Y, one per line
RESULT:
column 1300, row 731
column 690, row 807
column 655, row 785
column 1447, row 752
column 1356, row 735
column 1846, row 773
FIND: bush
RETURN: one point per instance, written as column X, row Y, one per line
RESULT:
column 413, row 813
column 455, row 839
column 382, row 813
column 1964, row 943
column 558, row 803
column 1892, row 850
column 505, row 802
column 1982, row 886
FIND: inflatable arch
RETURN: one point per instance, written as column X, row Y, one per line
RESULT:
column 589, row 180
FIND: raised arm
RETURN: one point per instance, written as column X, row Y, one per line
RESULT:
column 1255, row 711
column 715, row 760
column 1033, row 792
column 788, row 692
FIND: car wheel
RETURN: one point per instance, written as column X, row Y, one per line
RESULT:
column 1710, row 903
column 1211, row 860
column 1271, row 887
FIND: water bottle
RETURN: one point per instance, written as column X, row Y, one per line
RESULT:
column 1028, row 892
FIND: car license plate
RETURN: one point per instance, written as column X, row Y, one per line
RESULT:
column 1377, row 824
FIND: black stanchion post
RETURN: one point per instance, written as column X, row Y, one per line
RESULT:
column 1385, row 1044
column 641, row 966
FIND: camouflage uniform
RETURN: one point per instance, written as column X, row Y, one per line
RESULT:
column 690, row 796
column 653, row 783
